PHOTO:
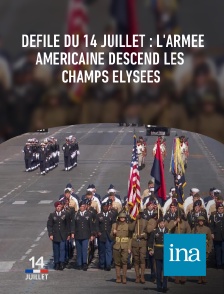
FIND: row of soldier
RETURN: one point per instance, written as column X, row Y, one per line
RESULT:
column 45, row 155
column 118, row 236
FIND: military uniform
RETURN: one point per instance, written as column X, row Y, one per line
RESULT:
column 28, row 156
column 139, row 243
column 216, row 224
column 67, row 154
column 202, row 229
column 42, row 159
column 59, row 226
column 84, row 230
column 155, row 247
column 121, row 236
column 104, row 221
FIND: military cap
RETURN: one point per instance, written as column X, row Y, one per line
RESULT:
column 83, row 202
column 216, row 192
column 212, row 189
column 174, row 203
column 195, row 190
column 87, row 201
column 150, row 182
column 111, row 189
column 89, row 188
column 105, row 204
column 57, row 203
column 197, row 203
column 201, row 218
column 121, row 214
column 69, row 185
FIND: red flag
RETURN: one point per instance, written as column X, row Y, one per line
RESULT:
column 134, row 194
column 157, row 173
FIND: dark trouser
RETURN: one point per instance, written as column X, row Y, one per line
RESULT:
column 159, row 274
column 219, row 252
column 59, row 251
column 105, row 253
column 28, row 163
column 67, row 161
column 82, row 251
column 42, row 166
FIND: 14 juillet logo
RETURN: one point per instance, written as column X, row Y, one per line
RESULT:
column 184, row 255
column 37, row 272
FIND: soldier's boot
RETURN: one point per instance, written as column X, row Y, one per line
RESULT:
column 200, row 280
column 142, row 279
column 137, row 274
column 176, row 281
column 124, row 277
column 203, row 279
column 118, row 274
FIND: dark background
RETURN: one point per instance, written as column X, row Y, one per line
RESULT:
column 191, row 98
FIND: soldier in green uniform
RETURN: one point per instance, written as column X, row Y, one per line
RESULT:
column 202, row 229
column 139, row 240
column 121, row 236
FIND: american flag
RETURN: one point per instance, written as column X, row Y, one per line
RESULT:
column 77, row 24
column 134, row 196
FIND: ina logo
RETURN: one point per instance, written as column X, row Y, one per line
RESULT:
column 184, row 254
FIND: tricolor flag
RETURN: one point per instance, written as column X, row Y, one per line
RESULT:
column 77, row 24
column 134, row 195
column 177, row 169
column 157, row 172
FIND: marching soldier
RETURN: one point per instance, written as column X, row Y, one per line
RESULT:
column 83, row 233
column 72, row 200
column 28, row 156
column 141, row 154
column 202, row 229
column 155, row 247
column 144, row 153
column 178, row 225
column 147, row 191
column 211, row 206
column 116, row 203
column 59, row 230
column 162, row 148
column 217, row 228
column 95, row 203
column 194, row 214
column 183, row 150
column 120, row 234
column 67, row 154
column 139, row 240
column 104, row 222
column 189, row 202
column 42, row 158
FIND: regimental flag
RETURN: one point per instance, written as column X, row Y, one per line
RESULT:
column 77, row 24
column 157, row 172
column 178, row 170
column 134, row 194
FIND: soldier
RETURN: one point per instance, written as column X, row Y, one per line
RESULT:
column 151, row 215
column 83, row 233
column 179, row 225
column 116, row 203
column 67, row 154
column 59, row 230
column 147, row 191
column 194, row 214
column 217, row 229
column 210, row 197
column 72, row 200
column 183, row 150
column 202, row 229
column 211, row 206
column 72, row 191
column 139, row 240
column 120, row 234
column 155, row 247
column 141, row 153
column 189, row 202
column 42, row 158
column 172, row 195
column 95, row 203
column 104, row 222
column 27, row 156
column 162, row 148
column 144, row 153
column 111, row 189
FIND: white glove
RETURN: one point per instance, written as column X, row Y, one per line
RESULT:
column 78, row 152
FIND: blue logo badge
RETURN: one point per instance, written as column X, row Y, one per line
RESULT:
column 185, row 255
